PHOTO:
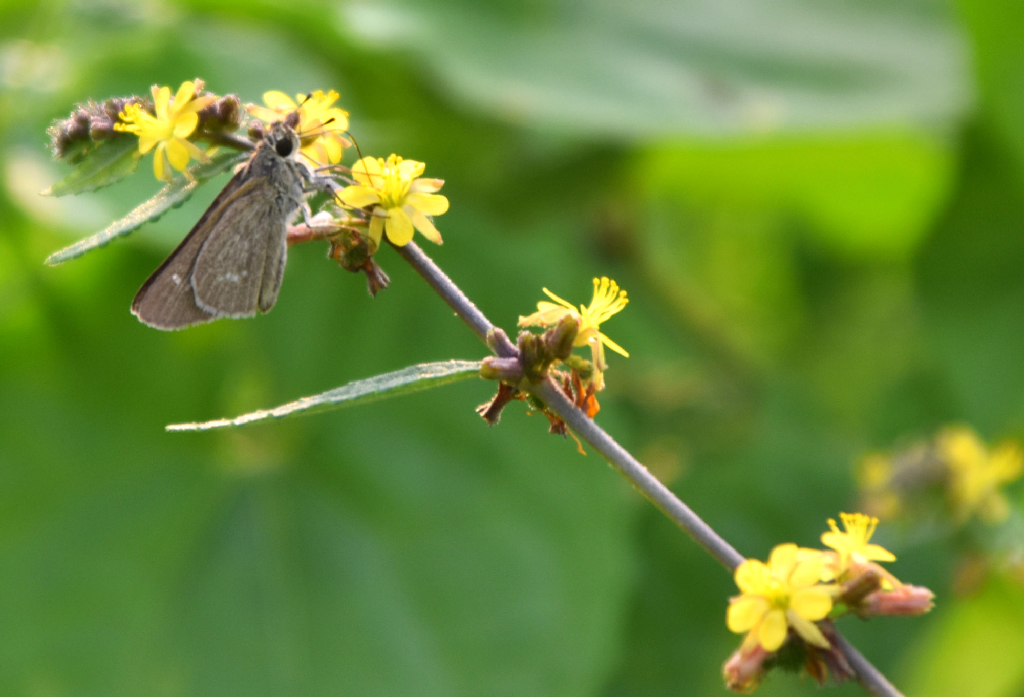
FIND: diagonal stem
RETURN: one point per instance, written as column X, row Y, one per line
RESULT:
column 646, row 483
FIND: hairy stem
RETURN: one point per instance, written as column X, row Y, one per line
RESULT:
column 647, row 484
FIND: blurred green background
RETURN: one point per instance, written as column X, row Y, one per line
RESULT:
column 815, row 205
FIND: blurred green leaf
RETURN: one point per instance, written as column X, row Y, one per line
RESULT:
column 415, row 378
column 995, row 30
column 110, row 161
column 173, row 194
column 655, row 68
column 864, row 196
column 976, row 648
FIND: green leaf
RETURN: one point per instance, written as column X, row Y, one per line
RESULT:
column 400, row 382
column 172, row 195
column 110, row 161
column 975, row 646
column 656, row 68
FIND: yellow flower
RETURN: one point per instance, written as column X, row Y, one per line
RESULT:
column 878, row 497
column 976, row 474
column 852, row 545
column 169, row 129
column 321, row 126
column 401, row 200
column 608, row 300
column 780, row 594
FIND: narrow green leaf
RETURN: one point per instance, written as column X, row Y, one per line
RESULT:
column 110, row 161
column 412, row 379
column 175, row 193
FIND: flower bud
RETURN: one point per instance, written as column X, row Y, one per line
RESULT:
column 506, row 369
column 224, row 114
column 559, row 339
column 745, row 669
column 532, row 356
column 256, row 131
column 906, row 600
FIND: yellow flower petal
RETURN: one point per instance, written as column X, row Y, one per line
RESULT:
column 146, row 144
column 279, row 101
column 613, row 346
column 431, row 204
column 423, row 224
column 426, row 186
column 752, row 577
column 197, row 105
column 358, row 196
column 1007, row 462
column 367, row 172
column 332, row 149
column 335, row 119
column 745, row 612
column 161, row 96
column 806, row 573
column 193, row 150
column 185, row 124
column 807, row 630
column 876, row 553
column 558, row 300
column 316, row 152
column 177, row 154
column 159, row 168
column 185, row 93
column 410, row 169
column 376, row 227
column 399, row 227
column 811, row 603
column 773, row 629
column 263, row 113
column 783, row 560
column 546, row 315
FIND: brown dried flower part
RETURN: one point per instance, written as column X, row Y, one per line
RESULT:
column 824, row 663
column 351, row 249
column 223, row 115
column 88, row 123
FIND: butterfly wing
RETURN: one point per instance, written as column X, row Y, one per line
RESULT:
column 166, row 300
column 240, row 266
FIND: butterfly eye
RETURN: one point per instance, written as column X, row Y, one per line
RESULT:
column 283, row 147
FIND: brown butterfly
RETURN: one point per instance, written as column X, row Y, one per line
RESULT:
column 232, row 261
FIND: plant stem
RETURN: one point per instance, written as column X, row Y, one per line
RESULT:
column 449, row 292
column 646, row 483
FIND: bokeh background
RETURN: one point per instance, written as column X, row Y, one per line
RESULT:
column 816, row 206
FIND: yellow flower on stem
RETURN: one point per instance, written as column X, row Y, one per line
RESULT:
column 976, row 475
column 321, row 125
column 608, row 300
column 401, row 201
column 852, row 545
column 168, row 129
column 778, row 595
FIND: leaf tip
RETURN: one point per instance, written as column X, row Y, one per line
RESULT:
column 55, row 259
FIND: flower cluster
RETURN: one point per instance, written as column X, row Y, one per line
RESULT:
column 608, row 300
column 384, row 198
column 955, row 469
column 798, row 587
column 168, row 128
column 321, row 125
column 397, row 198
